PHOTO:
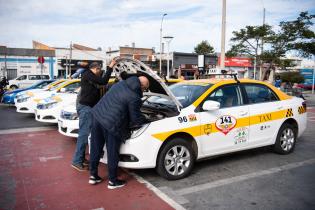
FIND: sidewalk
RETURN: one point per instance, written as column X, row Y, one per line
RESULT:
column 310, row 98
column 35, row 173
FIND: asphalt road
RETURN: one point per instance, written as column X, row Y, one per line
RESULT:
column 255, row 179
column 10, row 119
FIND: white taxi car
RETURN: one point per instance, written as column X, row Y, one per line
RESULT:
column 32, row 92
column 68, row 121
column 48, row 110
column 27, row 103
column 193, row 120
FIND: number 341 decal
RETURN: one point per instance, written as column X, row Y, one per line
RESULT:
column 225, row 123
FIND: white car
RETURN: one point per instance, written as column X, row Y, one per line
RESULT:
column 27, row 103
column 68, row 121
column 32, row 92
column 24, row 81
column 48, row 110
column 193, row 120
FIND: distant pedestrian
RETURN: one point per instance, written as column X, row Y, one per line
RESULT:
column 83, row 66
column 89, row 96
column 278, row 82
column 113, row 116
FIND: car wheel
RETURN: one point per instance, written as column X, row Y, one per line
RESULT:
column 176, row 159
column 286, row 139
column 13, row 87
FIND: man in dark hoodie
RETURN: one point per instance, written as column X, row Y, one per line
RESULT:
column 113, row 116
column 89, row 96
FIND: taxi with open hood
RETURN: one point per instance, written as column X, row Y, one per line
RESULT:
column 194, row 120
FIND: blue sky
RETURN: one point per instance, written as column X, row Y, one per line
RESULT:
column 109, row 23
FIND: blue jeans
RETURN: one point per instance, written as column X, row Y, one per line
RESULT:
column 85, row 122
column 100, row 136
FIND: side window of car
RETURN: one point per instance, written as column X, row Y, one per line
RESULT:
column 259, row 94
column 44, row 76
column 227, row 96
column 22, row 77
column 32, row 77
column 72, row 87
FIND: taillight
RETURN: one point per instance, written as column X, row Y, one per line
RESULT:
column 304, row 105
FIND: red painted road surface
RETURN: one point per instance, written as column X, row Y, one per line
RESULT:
column 35, row 173
column 311, row 114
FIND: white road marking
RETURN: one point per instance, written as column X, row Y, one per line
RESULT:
column 207, row 186
column 99, row 208
column 158, row 192
column 44, row 159
column 23, row 130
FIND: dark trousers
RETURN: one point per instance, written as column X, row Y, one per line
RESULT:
column 100, row 136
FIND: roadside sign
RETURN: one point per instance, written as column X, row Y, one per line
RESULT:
column 41, row 59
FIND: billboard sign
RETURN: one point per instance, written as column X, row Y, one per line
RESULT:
column 237, row 62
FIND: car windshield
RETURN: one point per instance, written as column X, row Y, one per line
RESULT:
column 41, row 84
column 185, row 93
column 58, row 86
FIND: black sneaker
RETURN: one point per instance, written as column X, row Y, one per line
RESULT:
column 85, row 162
column 79, row 167
column 118, row 183
column 95, row 180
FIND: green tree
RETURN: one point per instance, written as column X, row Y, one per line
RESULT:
column 247, row 41
column 292, row 36
column 291, row 77
column 204, row 48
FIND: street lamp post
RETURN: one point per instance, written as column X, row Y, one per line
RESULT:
column 168, row 39
column 222, row 56
column 161, row 43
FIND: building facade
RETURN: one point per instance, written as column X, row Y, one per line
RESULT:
column 58, row 62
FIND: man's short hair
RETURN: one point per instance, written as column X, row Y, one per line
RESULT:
column 95, row 65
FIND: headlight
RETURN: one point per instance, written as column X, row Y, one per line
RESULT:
column 69, row 115
column 138, row 132
column 47, row 106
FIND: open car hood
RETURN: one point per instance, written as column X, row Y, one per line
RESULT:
column 130, row 67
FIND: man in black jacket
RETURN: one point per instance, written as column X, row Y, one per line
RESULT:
column 113, row 116
column 89, row 96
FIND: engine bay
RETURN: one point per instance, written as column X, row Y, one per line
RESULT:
column 154, row 113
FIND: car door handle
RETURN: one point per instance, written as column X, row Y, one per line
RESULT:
column 243, row 113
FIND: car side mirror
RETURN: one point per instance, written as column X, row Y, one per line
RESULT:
column 62, row 90
column 211, row 105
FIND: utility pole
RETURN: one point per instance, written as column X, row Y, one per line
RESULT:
column 262, row 47
column 222, row 57
column 161, row 43
column 67, row 67
column 70, row 58
column 5, row 73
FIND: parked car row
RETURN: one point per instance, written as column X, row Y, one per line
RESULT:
column 187, row 121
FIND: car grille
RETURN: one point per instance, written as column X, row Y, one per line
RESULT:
column 40, row 106
column 66, row 115
column 63, row 129
column 75, row 131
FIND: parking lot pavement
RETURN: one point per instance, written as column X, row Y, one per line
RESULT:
column 35, row 173
column 254, row 179
column 10, row 119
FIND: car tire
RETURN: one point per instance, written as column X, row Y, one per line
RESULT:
column 176, row 159
column 286, row 139
column 13, row 87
